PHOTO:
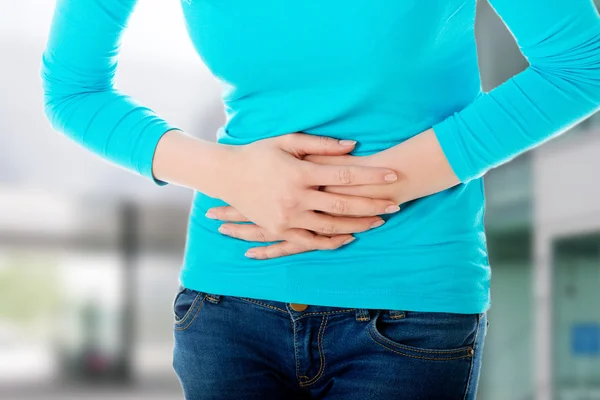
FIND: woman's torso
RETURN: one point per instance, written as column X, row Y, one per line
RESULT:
column 377, row 72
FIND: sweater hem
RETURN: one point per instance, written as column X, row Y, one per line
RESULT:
column 373, row 299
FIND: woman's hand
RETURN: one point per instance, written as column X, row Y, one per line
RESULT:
column 288, row 241
column 419, row 162
column 271, row 185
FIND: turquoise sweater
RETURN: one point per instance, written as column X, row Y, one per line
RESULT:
column 377, row 72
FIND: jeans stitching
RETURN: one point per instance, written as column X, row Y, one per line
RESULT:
column 472, row 359
column 413, row 356
column 190, row 311
column 298, row 376
column 212, row 298
column 285, row 311
column 180, row 328
column 261, row 304
column 382, row 338
column 326, row 312
column 321, row 355
column 431, row 351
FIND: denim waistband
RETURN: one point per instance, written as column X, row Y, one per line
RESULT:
column 361, row 314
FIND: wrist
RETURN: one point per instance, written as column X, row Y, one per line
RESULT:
column 218, row 170
column 421, row 166
column 191, row 162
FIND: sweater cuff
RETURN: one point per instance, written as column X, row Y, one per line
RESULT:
column 448, row 135
column 147, row 148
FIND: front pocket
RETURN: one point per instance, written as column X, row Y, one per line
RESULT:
column 430, row 336
column 186, row 305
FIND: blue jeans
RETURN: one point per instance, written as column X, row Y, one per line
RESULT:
column 229, row 347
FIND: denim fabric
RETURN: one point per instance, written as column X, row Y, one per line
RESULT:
column 229, row 347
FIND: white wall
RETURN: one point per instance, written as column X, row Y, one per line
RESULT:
column 566, row 176
column 158, row 66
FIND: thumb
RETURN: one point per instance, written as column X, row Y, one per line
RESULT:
column 302, row 144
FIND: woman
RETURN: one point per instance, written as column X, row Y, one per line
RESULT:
column 398, row 313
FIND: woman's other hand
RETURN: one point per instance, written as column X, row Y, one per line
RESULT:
column 419, row 162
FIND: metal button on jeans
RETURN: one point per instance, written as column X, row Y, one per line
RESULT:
column 298, row 307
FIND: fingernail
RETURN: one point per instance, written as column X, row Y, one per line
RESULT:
column 210, row 214
column 377, row 224
column 250, row 254
column 349, row 241
column 224, row 230
column 345, row 142
column 391, row 209
column 390, row 177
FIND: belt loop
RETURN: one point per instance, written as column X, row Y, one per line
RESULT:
column 213, row 298
column 362, row 314
column 397, row 314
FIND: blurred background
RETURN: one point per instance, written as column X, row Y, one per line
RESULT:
column 90, row 253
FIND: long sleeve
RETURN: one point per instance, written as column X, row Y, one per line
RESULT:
column 80, row 100
column 561, row 87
